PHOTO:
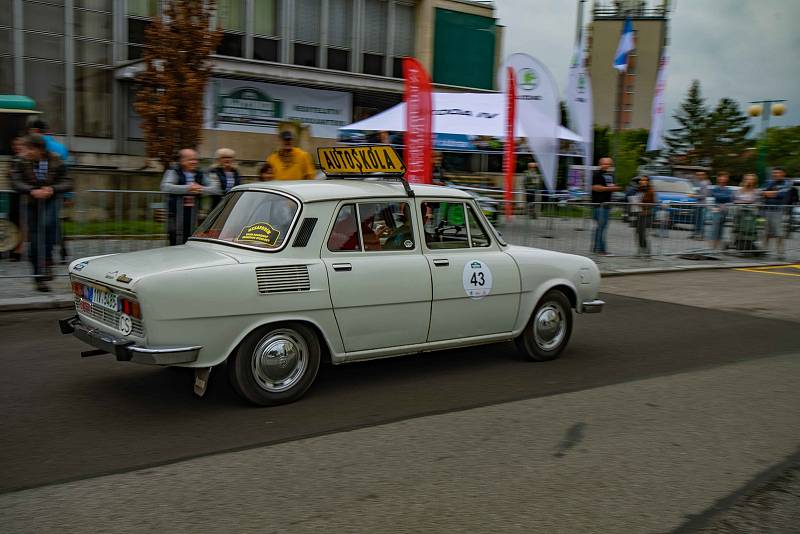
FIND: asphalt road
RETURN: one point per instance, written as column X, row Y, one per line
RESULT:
column 67, row 418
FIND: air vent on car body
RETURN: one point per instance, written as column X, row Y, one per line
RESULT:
column 304, row 234
column 284, row 278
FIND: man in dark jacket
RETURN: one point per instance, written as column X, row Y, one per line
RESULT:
column 602, row 187
column 226, row 172
column 39, row 177
column 185, row 183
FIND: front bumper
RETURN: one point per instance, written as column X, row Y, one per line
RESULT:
column 592, row 306
column 123, row 349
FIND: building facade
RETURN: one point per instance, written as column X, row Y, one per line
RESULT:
column 623, row 101
column 323, row 63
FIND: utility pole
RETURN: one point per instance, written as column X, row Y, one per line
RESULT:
column 765, row 109
column 579, row 24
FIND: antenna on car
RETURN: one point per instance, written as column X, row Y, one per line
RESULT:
column 364, row 162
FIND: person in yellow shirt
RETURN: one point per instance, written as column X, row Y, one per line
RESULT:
column 290, row 162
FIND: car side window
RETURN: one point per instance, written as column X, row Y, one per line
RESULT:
column 445, row 225
column 386, row 226
column 476, row 232
column 344, row 236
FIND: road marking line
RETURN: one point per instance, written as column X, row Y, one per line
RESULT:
column 771, row 268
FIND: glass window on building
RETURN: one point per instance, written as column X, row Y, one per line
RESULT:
column 93, row 24
column 230, row 15
column 6, row 42
column 307, row 17
column 43, row 17
column 95, row 52
column 93, row 111
column 99, row 5
column 44, row 83
column 266, row 39
column 375, row 14
column 403, row 37
column 41, row 46
column 7, row 75
column 142, row 8
column 340, row 34
column 136, row 28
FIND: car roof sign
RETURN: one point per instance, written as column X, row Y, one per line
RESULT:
column 360, row 161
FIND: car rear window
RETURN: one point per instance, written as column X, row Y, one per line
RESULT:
column 251, row 218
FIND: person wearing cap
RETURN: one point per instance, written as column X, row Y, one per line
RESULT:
column 290, row 162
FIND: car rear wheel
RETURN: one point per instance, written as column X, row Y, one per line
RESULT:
column 549, row 329
column 275, row 364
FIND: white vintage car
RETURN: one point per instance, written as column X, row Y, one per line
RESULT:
column 283, row 276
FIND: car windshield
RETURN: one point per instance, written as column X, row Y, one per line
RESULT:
column 671, row 186
column 251, row 218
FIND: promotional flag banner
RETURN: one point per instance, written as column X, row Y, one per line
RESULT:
column 655, row 141
column 419, row 130
column 624, row 47
column 510, row 157
column 537, row 110
column 579, row 107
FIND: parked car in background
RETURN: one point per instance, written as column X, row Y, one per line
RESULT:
column 676, row 200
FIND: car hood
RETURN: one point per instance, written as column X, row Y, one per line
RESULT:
column 126, row 269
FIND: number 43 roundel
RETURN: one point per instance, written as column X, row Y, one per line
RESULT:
column 477, row 279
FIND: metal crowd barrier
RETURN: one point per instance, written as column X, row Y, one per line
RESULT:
column 658, row 229
column 103, row 221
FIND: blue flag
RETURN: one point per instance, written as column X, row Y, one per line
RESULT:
column 624, row 47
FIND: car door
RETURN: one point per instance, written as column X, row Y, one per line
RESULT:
column 475, row 284
column 380, row 282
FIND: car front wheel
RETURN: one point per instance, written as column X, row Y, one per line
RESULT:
column 275, row 364
column 549, row 328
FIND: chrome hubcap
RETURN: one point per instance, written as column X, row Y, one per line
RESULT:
column 549, row 326
column 280, row 360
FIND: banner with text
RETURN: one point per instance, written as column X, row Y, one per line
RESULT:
column 419, row 117
column 537, row 110
column 655, row 141
column 579, row 107
column 247, row 106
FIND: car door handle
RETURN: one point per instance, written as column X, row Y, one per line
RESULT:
column 342, row 267
column 441, row 263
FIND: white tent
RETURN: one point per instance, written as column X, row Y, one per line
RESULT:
column 456, row 113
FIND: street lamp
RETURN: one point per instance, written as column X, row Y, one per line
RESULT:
column 765, row 108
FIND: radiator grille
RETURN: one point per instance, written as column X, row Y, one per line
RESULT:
column 106, row 316
column 281, row 279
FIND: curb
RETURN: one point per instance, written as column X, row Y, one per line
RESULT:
column 61, row 301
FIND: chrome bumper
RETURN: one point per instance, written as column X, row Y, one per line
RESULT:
column 123, row 349
column 592, row 306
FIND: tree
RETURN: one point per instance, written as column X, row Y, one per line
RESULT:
column 685, row 143
column 783, row 149
column 726, row 137
column 631, row 154
column 171, row 88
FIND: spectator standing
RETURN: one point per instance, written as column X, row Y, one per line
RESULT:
column 437, row 171
column 226, row 173
column 533, row 184
column 64, row 199
column 290, row 162
column 265, row 173
column 185, row 184
column 39, row 178
column 642, row 206
column 701, row 185
column 777, row 197
column 723, row 196
column 602, row 187
column 745, row 220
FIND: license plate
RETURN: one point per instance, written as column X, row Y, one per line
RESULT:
column 105, row 299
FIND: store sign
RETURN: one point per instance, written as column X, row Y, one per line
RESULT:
column 247, row 106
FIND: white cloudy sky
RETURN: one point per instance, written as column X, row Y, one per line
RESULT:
column 741, row 49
